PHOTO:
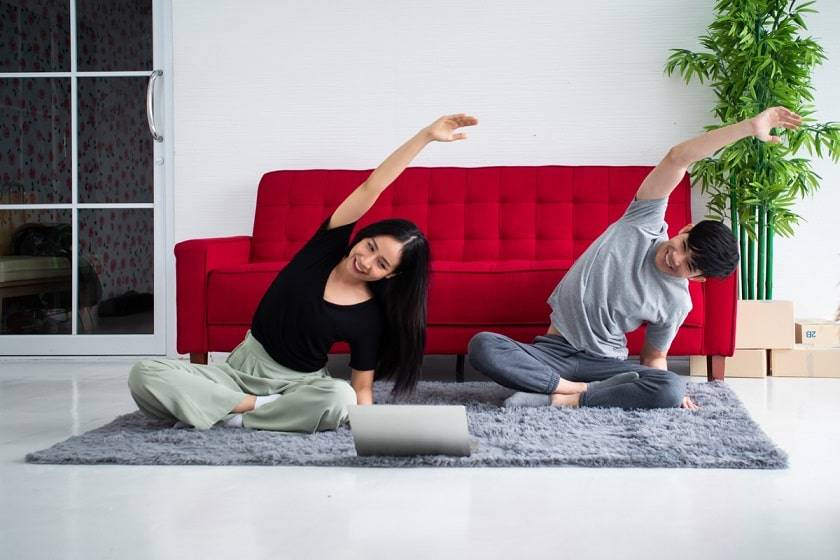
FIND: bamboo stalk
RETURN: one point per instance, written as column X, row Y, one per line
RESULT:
column 755, row 256
column 762, row 244
column 750, row 270
column 744, row 267
column 771, row 235
column 733, row 220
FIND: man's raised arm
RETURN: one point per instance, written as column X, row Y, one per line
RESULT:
column 667, row 175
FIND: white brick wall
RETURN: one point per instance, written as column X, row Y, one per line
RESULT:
column 264, row 84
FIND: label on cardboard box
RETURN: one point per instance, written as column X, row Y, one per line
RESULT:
column 818, row 332
column 805, row 361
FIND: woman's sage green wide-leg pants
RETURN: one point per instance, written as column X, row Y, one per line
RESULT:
column 202, row 395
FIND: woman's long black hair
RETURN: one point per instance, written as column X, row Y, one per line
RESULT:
column 403, row 301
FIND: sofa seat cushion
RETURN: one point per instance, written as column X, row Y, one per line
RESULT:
column 507, row 293
column 493, row 292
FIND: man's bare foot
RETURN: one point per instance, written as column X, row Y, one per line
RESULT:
column 566, row 387
column 567, row 401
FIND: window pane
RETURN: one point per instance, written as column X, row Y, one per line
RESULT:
column 35, row 271
column 116, row 249
column 35, row 36
column 115, row 147
column 114, row 35
column 35, row 162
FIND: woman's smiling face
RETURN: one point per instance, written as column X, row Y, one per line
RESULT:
column 374, row 258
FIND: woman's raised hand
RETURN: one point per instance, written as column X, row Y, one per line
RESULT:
column 774, row 117
column 443, row 129
column 361, row 199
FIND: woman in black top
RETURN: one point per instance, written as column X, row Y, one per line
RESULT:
column 370, row 292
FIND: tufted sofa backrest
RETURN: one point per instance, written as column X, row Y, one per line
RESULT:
column 534, row 213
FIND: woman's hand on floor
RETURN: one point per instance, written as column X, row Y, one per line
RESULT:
column 364, row 396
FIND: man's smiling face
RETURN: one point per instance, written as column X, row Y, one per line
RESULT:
column 673, row 257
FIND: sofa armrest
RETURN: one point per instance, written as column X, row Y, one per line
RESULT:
column 194, row 259
column 721, row 303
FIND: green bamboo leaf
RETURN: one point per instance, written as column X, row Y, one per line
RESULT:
column 805, row 7
column 764, row 64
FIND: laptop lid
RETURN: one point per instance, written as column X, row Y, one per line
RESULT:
column 387, row 429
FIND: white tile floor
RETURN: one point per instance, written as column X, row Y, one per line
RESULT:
column 58, row 512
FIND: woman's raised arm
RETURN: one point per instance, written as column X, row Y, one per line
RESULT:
column 365, row 195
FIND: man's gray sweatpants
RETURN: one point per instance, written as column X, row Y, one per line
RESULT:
column 538, row 367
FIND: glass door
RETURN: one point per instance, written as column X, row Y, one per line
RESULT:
column 81, row 177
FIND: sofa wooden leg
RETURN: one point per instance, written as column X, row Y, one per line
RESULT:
column 715, row 366
column 198, row 357
column 459, row 368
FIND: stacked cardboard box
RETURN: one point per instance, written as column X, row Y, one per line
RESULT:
column 761, row 325
column 769, row 342
column 764, row 324
column 815, row 354
column 819, row 333
column 746, row 362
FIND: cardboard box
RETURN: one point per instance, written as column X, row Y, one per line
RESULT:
column 697, row 365
column 805, row 361
column 818, row 332
column 744, row 363
column 764, row 324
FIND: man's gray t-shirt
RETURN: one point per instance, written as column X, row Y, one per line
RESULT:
column 614, row 286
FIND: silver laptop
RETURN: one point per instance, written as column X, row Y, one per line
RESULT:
column 388, row 429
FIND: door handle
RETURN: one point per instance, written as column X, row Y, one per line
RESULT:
column 150, row 104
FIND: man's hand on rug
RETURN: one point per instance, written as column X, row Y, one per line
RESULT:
column 689, row 404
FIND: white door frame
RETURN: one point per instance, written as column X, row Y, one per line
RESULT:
column 162, row 342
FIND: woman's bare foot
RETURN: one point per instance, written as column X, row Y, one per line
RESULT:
column 248, row 404
column 567, row 401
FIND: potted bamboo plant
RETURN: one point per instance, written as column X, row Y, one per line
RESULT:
column 757, row 57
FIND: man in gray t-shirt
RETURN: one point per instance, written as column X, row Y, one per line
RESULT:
column 632, row 274
column 616, row 285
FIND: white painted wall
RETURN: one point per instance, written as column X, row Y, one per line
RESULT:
column 265, row 84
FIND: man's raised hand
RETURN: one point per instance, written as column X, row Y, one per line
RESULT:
column 774, row 117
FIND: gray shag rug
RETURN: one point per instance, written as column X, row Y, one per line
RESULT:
column 719, row 435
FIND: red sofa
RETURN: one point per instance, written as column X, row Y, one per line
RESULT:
column 501, row 239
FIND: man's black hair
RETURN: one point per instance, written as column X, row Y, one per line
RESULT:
column 714, row 251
